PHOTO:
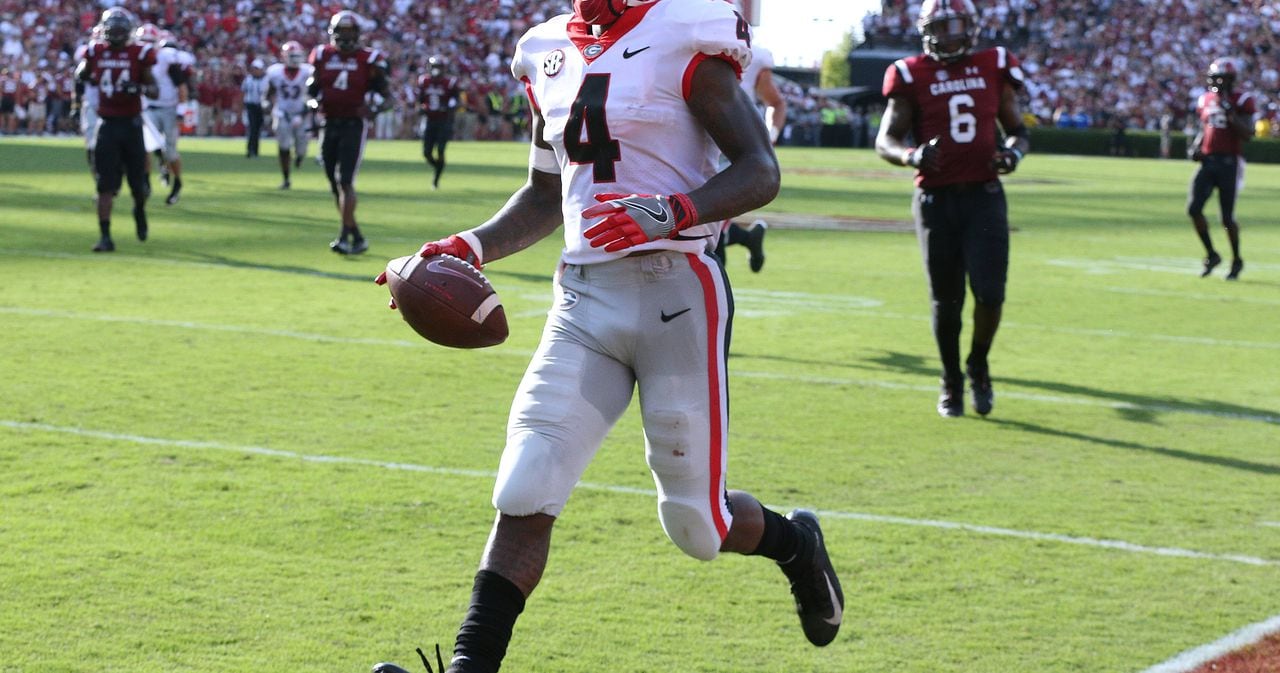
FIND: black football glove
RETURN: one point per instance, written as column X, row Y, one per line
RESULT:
column 1006, row 160
column 925, row 157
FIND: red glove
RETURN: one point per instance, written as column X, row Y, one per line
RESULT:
column 454, row 245
column 638, row 218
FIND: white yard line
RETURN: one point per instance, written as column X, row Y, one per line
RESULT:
column 1116, row 545
column 737, row 372
column 1194, row 658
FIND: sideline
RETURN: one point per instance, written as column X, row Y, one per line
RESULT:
column 1194, row 658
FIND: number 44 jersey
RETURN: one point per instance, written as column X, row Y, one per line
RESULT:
column 111, row 69
column 615, row 112
column 956, row 102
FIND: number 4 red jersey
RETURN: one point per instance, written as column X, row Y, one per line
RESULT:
column 344, row 78
column 957, row 102
column 111, row 68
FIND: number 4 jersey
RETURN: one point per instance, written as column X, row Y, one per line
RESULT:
column 615, row 109
column 109, row 69
column 957, row 102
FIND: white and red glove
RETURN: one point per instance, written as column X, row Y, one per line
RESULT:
column 455, row 245
column 633, row 219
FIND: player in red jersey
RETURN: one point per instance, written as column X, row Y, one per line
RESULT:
column 121, row 71
column 949, row 100
column 1226, row 123
column 345, row 74
column 438, row 96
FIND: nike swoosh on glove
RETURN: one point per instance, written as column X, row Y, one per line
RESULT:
column 630, row 220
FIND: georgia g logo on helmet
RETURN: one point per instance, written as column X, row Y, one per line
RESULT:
column 1222, row 75
column 948, row 28
column 344, row 30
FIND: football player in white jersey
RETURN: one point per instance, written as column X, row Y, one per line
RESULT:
column 172, row 72
column 633, row 103
column 757, row 81
column 85, row 104
column 287, row 91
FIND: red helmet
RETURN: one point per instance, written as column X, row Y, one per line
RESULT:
column 949, row 28
column 1222, row 74
column 292, row 54
column 599, row 12
column 147, row 33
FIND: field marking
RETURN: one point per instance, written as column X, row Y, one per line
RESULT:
column 1270, row 524
column 743, row 373
column 1192, row 659
column 1191, row 295
column 1116, row 545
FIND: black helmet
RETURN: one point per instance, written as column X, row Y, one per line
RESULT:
column 436, row 65
column 344, row 30
column 1222, row 74
column 117, row 26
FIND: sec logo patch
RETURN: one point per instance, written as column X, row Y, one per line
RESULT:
column 552, row 64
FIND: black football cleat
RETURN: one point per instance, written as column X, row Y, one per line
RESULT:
column 297, row 161
column 340, row 246
column 140, row 222
column 174, row 195
column 814, row 585
column 386, row 667
column 285, row 185
column 1237, row 265
column 358, row 247
column 755, row 244
column 951, row 399
column 1210, row 263
column 984, row 398
column 105, row 244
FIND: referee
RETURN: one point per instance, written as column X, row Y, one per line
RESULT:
column 253, row 87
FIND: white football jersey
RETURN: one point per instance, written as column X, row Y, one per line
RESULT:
column 615, row 108
column 291, row 90
column 168, row 91
column 761, row 59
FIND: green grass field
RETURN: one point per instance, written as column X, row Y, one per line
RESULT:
column 221, row 452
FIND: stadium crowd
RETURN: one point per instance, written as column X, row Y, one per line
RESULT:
column 1118, row 63
column 1089, row 63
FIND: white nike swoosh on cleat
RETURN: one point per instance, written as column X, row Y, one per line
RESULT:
column 837, row 612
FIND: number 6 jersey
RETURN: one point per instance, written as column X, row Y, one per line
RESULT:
column 957, row 102
column 615, row 110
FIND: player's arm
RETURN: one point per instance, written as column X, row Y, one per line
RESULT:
column 533, row 211
column 1240, row 121
column 380, row 84
column 750, row 181
column 1018, row 140
column 530, row 214
column 752, row 178
column 150, row 88
column 891, row 141
column 776, row 105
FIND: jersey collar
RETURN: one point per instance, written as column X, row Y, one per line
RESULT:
column 582, row 38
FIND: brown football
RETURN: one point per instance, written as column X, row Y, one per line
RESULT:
column 447, row 301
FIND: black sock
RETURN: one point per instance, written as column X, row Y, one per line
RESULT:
column 781, row 540
column 104, row 226
column 486, row 630
column 738, row 235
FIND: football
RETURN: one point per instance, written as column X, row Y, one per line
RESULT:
column 447, row 301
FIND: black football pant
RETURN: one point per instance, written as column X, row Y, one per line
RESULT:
column 341, row 149
column 963, row 232
column 254, row 132
column 1217, row 171
column 119, row 152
